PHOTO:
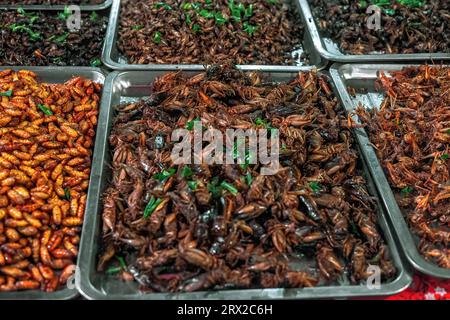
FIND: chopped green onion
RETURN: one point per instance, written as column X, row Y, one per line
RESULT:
column 315, row 186
column 249, row 11
column 151, row 207
column 33, row 19
column 96, row 63
column 220, row 19
column 60, row 39
column 163, row 176
column 157, row 37
column 67, row 194
column 215, row 188
column 192, row 185
column 188, row 18
column 186, row 6
column 191, row 124
column 163, row 5
column 196, row 27
column 139, row 27
column 445, row 156
column 249, row 28
column 411, row 3
column 113, row 270
column 230, row 188
column 407, row 190
column 205, row 13
column 65, row 14
column 122, row 263
column 45, row 110
column 6, row 93
column 249, row 179
column 94, row 16
column 186, row 172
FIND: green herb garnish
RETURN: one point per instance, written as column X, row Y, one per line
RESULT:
column 67, row 194
column 163, row 176
column 139, row 27
column 229, row 187
column 157, row 37
column 45, row 110
column 411, row 3
column 249, row 179
column 188, row 19
column 192, row 185
column 220, row 19
column 186, row 6
column 407, row 190
column 215, row 188
column 94, row 16
column 113, row 270
column 122, row 263
column 96, row 63
column 151, row 207
column 186, row 172
column 445, row 156
column 163, row 5
column 191, row 124
column 6, row 93
column 60, row 39
column 206, row 14
column 196, row 27
column 249, row 28
column 315, row 186
column 65, row 14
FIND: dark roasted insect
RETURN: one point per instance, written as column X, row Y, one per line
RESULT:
column 199, row 227
column 46, row 40
column 406, row 26
column 176, row 31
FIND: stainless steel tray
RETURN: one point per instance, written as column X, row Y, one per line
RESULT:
column 130, row 86
column 54, row 75
column 113, row 59
column 363, row 76
column 327, row 49
column 46, row 7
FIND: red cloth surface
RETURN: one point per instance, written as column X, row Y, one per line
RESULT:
column 425, row 288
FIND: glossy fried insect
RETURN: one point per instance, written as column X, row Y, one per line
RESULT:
column 41, row 210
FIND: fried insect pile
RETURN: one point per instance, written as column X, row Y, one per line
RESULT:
column 411, row 134
column 42, row 38
column 176, row 31
column 50, row 2
column 198, row 227
column 46, row 138
column 47, row 2
column 407, row 26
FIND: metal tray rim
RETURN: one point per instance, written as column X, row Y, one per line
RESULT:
column 380, row 58
column 87, row 289
column 114, row 65
column 93, row 7
column 65, row 294
column 400, row 228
